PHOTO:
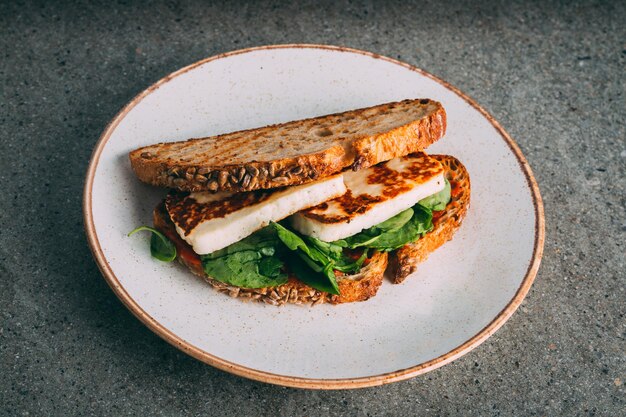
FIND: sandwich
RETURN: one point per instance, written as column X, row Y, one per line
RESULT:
column 309, row 211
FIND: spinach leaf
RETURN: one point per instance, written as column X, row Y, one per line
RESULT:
column 161, row 247
column 396, row 221
column 331, row 250
column 289, row 238
column 348, row 265
column 335, row 255
column 250, row 263
column 313, row 276
column 368, row 237
column 389, row 238
column 438, row 201
column 264, row 241
column 314, row 263
column 420, row 223
column 270, row 266
column 295, row 242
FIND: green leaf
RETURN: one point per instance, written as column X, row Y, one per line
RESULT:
column 396, row 221
column 334, row 254
column 350, row 266
column 438, row 201
column 295, row 242
column 320, row 280
column 246, row 269
column 362, row 239
column 314, row 262
column 267, row 250
column 390, row 237
column 270, row 266
column 252, row 262
column 368, row 237
column 161, row 247
column 420, row 223
column 331, row 250
column 289, row 238
column 264, row 240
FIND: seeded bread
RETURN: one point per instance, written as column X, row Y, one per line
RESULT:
column 404, row 261
column 357, row 287
column 295, row 152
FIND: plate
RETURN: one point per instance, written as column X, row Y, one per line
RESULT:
column 460, row 296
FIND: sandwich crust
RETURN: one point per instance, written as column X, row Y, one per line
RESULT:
column 404, row 261
column 295, row 152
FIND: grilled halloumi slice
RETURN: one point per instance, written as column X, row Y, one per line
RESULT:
column 374, row 195
column 212, row 221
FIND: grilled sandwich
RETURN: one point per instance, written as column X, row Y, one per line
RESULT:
column 311, row 211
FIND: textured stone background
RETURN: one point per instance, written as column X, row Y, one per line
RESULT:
column 552, row 74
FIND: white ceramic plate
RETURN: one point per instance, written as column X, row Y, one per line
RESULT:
column 459, row 297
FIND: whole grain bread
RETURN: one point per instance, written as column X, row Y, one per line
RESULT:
column 356, row 287
column 295, row 152
column 404, row 261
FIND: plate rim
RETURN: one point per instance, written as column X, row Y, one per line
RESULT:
column 293, row 381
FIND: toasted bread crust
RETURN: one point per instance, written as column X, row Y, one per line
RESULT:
column 357, row 287
column 404, row 261
column 294, row 152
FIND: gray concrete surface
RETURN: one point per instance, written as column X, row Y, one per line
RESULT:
column 553, row 74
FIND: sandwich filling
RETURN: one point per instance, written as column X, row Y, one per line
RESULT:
column 340, row 222
column 213, row 221
column 374, row 195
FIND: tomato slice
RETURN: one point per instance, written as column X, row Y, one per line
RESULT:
column 455, row 190
column 189, row 257
column 183, row 249
column 437, row 214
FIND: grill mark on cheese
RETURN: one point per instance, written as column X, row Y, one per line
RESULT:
column 415, row 169
column 396, row 182
column 349, row 204
column 211, row 221
column 188, row 213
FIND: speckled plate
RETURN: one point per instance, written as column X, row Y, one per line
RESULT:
column 460, row 296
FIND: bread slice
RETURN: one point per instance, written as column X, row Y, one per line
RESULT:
column 295, row 152
column 358, row 287
column 404, row 261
